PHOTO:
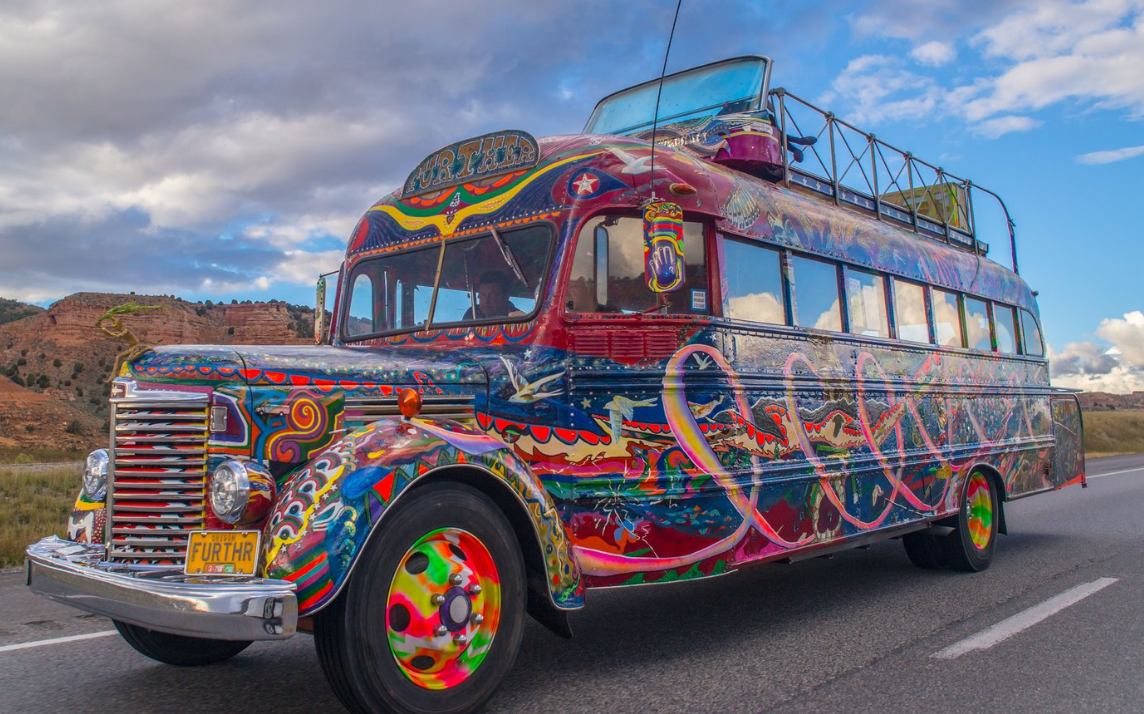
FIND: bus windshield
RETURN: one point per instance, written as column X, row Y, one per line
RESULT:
column 736, row 85
column 494, row 277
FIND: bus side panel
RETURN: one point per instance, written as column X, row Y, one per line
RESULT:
column 1068, row 453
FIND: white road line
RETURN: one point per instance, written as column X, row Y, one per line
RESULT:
column 1116, row 473
column 56, row 641
column 1023, row 620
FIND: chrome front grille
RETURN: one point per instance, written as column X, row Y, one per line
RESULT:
column 366, row 410
column 158, row 475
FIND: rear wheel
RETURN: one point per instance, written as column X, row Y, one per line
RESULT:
column 177, row 649
column 433, row 615
column 970, row 546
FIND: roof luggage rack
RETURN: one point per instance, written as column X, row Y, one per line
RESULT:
column 894, row 185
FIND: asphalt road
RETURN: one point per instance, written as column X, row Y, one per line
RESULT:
column 857, row 632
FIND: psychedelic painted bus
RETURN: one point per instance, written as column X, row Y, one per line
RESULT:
column 648, row 353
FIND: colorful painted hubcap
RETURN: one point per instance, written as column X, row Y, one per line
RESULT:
column 979, row 509
column 443, row 608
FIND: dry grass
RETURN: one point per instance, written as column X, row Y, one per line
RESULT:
column 33, row 504
column 1118, row 432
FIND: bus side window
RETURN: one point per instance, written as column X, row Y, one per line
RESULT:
column 946, row 318
column 360, row 311
column 910, row 311
column 1005, row 325
column 977, row 324
column 1032, row 334
column 609, row 250
column 866, row 302
column 754, row 283
column 814, row 291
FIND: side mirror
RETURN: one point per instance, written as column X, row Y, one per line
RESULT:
column 320, row 311
column 663, row 247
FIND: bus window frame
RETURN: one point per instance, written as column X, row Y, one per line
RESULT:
column 784, row 282
column 542, row 288
column 564, row 272
column 845, row 298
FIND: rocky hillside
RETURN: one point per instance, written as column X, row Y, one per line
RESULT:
column 32, row 421
column 1105, row 402
column 58, row 353
column 11, row 310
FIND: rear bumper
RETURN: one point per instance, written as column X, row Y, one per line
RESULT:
column 162, row 598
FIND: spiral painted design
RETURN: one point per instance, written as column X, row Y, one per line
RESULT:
column 306, row 424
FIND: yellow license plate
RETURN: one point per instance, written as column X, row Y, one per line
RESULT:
column 222, row 553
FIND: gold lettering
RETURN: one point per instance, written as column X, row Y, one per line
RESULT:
column 490, row 146
column 465, row 152
column 444, row 167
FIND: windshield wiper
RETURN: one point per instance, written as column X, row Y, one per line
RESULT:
column 509, row 258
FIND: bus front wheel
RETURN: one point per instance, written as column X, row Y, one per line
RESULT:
column 970, row 546
column 433, row 615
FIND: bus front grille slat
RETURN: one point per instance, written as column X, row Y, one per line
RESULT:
column 158, row 480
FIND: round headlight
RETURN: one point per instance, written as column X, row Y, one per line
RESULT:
column 95, row 475
column 230, row 490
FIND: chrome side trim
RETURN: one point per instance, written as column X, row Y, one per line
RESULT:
column 162, row 598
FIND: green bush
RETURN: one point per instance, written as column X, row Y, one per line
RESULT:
column 74, row 427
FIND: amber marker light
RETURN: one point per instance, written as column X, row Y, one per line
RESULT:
column 410, row 403
column 682, row 189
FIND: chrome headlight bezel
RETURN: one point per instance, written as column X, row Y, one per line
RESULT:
column 229, row 491
column 95, row 475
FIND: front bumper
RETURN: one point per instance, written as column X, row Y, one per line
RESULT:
column 162, row 598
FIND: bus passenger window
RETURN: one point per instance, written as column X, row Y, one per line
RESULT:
column 946, row 318
column 910, row 311
column 1032, row 334
column 977, row 324
column 359, row 316
column 866, row 301
column 1004, row 323
column 754, row 283
column 608, row 270
column 814, row 286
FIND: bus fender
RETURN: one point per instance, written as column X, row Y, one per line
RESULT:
column 329, row 507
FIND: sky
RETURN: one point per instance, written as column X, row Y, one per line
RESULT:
column 224, row 149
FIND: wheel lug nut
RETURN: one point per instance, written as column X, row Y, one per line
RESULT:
column 437, row 599
column 455, row 579
column 460, row 639
column 478, row 619
column 474, row 589
column 441, row 631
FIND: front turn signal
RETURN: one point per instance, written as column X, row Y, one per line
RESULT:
column 410, row 403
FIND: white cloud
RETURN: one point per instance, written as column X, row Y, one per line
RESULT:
column 934, row 53
column 1047, row 51
column 1127, row 335
column 1120, row 380
column 999, row 126
column 1108, row 157
column 1116, row 369
column 880, row 88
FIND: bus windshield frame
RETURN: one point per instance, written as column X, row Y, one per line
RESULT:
column 728, row 86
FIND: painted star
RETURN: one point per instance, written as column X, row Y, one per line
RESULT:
column 585, row 184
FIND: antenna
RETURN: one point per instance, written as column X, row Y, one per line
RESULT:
column 658, row 94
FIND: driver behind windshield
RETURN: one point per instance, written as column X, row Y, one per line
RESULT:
column 492, row 298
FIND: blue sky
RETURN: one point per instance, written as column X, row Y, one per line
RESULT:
column 223, row 149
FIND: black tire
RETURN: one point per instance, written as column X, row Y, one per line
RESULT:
column 957, row 550
column 176, row 649
column 350, row 634
column 924, row 550
column 961, row 553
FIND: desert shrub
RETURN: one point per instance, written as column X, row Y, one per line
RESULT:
column 74, row 427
